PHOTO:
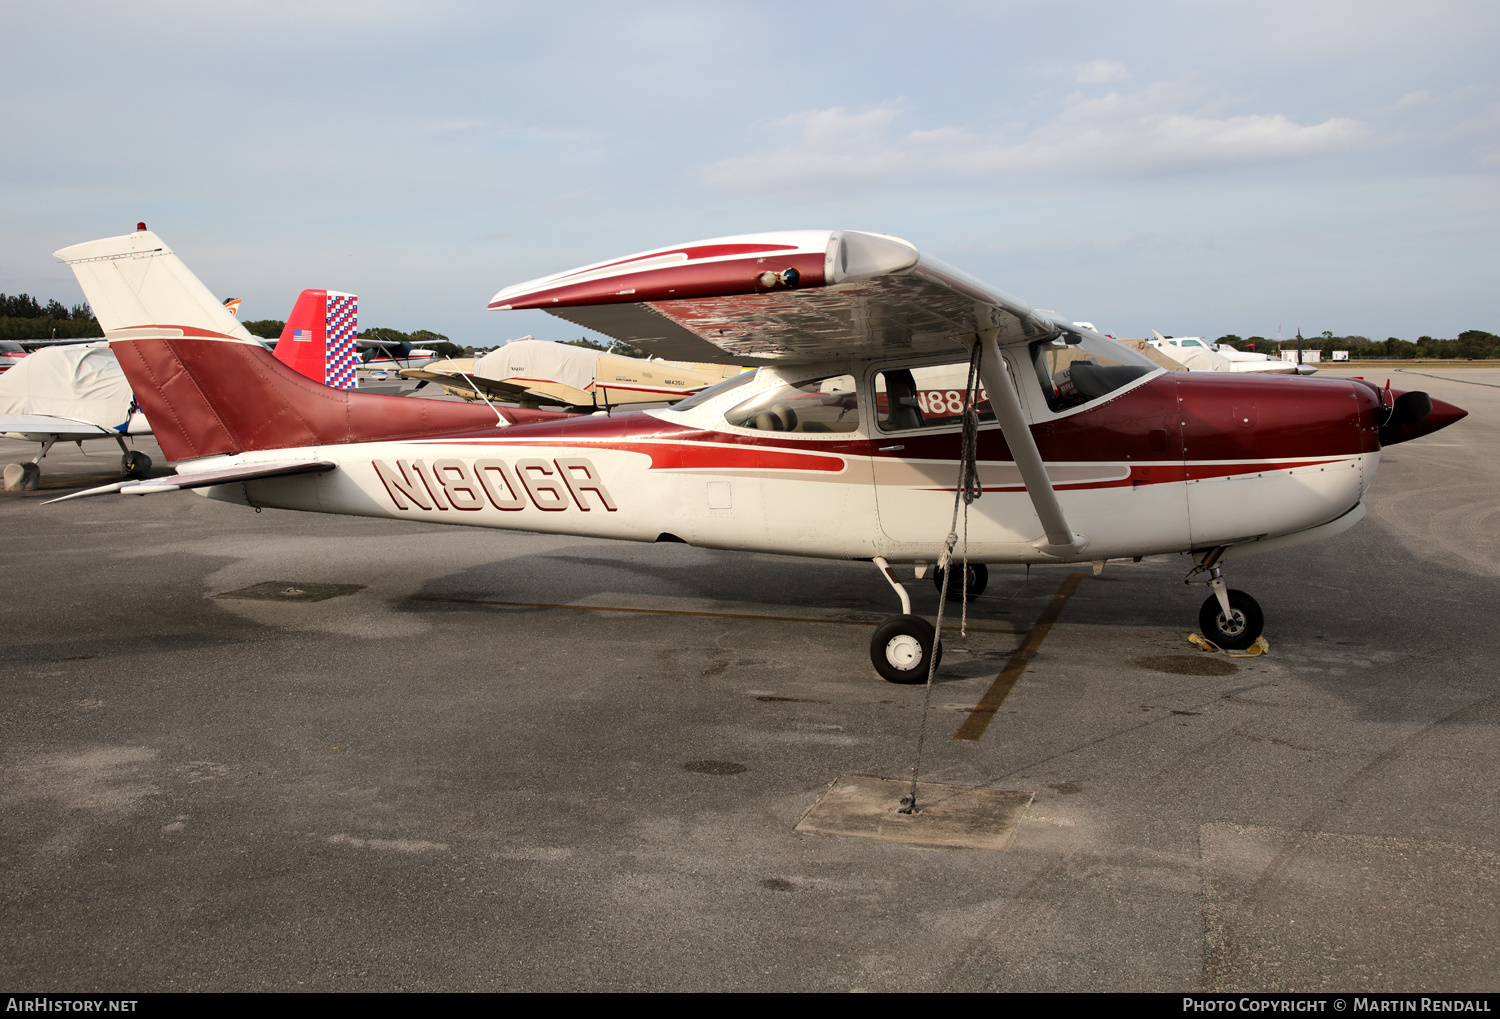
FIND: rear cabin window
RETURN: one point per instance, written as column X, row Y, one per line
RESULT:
column 928, row 397
column 715, row 390
column 1072, row 374
column 820, row 405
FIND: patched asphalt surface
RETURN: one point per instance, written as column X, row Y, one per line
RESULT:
column 410, row 786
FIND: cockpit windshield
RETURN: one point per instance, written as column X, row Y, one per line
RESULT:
column 1072, row 374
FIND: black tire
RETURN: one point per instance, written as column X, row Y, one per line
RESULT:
column 902, row 647
column 979, row 579
column 135, row 464
column 1237, row 633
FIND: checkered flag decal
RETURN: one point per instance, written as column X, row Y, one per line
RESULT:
column 343, row 356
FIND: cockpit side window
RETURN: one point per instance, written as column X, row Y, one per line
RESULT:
column 820, row 405
column 927, row 397
column 1072, row 374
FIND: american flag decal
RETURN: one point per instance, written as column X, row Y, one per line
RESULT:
column 302, row 335
column 342, row 355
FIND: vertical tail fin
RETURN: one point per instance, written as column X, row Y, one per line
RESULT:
column 135, row 282
column 318, row 339
column 207, row 386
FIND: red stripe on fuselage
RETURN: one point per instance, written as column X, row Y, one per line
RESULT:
column 1164, row 474
column 677, row 456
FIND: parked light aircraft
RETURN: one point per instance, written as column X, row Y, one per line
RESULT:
column 533, row 372
column 381, row 360
column 69, row 393
column 74, row 390
column 823, row 451
column 1199, row 354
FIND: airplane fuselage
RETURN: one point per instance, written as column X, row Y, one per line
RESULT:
column 1173, row 463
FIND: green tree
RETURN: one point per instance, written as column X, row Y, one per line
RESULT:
column 265, row 328
column 23, row 317
column 615, row 347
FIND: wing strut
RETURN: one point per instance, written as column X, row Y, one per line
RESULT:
column 1060, row 541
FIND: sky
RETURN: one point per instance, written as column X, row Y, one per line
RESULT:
column 1198, row 168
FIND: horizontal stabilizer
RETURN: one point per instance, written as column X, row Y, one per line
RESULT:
column 203, row 479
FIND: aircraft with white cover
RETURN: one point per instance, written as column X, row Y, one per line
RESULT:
column 823, row 451
column 532, row 372
column 69, row 393
column 75, row 391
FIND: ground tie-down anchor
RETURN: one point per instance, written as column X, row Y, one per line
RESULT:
column 968, row 489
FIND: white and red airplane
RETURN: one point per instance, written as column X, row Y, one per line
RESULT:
column 826, row 450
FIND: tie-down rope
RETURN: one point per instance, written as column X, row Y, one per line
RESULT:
column 969, row 489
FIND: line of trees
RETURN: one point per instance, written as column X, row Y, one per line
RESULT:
column 23, row 317
column 1471, row 343
column 617, row 347
column 270, row 329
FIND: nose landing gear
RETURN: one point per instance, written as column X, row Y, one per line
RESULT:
column 1230, row 618
column 1238, row 627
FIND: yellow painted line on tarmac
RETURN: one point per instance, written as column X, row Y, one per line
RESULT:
column 680, row 612
column 984, row 711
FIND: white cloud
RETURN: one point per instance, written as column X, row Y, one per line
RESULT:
column 1097, row 72
column 1138, row 134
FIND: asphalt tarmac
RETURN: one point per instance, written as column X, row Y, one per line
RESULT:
column 455, row 778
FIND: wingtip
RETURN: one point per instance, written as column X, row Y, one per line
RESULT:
column 101, row 490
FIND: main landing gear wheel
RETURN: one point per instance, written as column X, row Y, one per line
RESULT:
column 901, row 648
column 979, row 577
column 1243, row 627
column 135, row 464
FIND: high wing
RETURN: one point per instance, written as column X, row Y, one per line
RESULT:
column 812, row 295
column 780, row 298
column 204, row 479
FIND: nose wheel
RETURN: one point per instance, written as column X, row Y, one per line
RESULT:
column 1237, row 629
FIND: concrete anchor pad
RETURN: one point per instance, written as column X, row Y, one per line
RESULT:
column 951, row 815
column 286, row 590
